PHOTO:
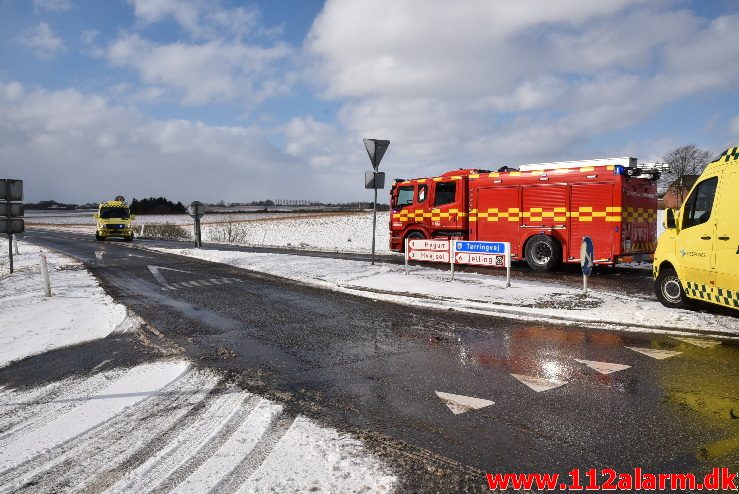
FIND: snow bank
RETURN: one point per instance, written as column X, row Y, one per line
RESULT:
column 476, row 293
column 30, row 323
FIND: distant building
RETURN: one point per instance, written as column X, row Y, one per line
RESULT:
column 677, row 191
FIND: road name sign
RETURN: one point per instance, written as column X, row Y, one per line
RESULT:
column 481, row 247
column 493, row 254
column 426, row 250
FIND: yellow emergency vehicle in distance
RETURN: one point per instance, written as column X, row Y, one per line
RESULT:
column 697, row 256
column 114, row 220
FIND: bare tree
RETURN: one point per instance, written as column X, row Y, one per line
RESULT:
column 684, row 161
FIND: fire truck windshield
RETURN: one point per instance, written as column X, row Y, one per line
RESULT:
column 404, row 196
column 109, row 213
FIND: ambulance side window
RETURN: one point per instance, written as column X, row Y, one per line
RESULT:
column 700, row 203
column 422, row 193
column 446, row 192
column 405, row 196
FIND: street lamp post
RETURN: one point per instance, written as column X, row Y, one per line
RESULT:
column 375, row 180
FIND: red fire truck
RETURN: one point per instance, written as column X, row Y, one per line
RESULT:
column 543, row 210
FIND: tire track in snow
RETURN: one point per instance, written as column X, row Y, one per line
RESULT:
column 103, row 455
column 40, row 448
column 256, row 457
column 57, row 402
column 212, row 474
column 188, row 446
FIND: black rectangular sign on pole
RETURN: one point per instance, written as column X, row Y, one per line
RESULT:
column 11, row 212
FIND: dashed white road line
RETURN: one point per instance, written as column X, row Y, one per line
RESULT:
column 539, row 384
column 603, row 367
column 654, row 352
column 698, row 341
column 462, row 404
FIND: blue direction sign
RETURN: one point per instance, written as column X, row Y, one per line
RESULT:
column 586, row 256
column 480, row 247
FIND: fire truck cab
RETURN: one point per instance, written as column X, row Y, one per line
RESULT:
column 543, row 210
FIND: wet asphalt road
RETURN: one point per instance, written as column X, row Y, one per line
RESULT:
column 373, row 368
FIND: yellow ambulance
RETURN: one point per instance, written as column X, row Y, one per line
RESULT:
column 114, row 220
column 697, row 256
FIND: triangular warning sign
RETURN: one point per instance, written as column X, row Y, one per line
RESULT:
column 539, row 384
column 654, row 352
column 698, row 342
column 461, row 404
column 603, row 367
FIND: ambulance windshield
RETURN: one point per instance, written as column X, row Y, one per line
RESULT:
column 109, row 213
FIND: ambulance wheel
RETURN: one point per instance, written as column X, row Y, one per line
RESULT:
column 98, row 237
column 129, row 238
column 543, row 253
column 414, row 236
column 669, row 290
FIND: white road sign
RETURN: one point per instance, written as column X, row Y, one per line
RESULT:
column 480, row 259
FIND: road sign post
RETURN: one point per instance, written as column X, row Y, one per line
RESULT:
column 376, row 150
column 586, row 262
column 11, row 212
column 196, row 210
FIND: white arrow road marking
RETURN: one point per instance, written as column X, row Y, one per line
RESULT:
column 155, row 271
column 698, row 342
column 461, row 404
column 603, row 367
column 539, row 384
column 654, row 353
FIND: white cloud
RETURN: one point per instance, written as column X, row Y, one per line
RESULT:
column 209, row 71
column 52, row 5
column 43, row 41
column 77, row 147
column 501, row 82
column 199, row 18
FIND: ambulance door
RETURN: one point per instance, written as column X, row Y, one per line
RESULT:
column 726, row 241
column 499, row 216
column 697, row 231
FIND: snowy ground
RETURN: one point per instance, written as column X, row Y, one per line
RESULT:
column 78, row 311
column 159, row 426
column 476, row 293
column 167, row 426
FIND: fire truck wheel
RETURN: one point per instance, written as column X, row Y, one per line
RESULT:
column 669, row 290
column 543, row 253
column 414, row 235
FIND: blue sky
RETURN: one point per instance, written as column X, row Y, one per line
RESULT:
column 242, row 101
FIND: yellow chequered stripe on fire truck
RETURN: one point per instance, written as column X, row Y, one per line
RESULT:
column 729, row 298
column 611, row 214
column 434, row 215
column 640, row 215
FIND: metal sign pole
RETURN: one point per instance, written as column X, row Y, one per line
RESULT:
column 10, row 225
column 406, row 256
column 585, row 285
column 374, row 221
column 197, row 232
column 452, row 255
column 508, row 265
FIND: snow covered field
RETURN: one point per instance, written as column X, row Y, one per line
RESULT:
column 78, row 311
column 477, row 293
column 345, row 232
